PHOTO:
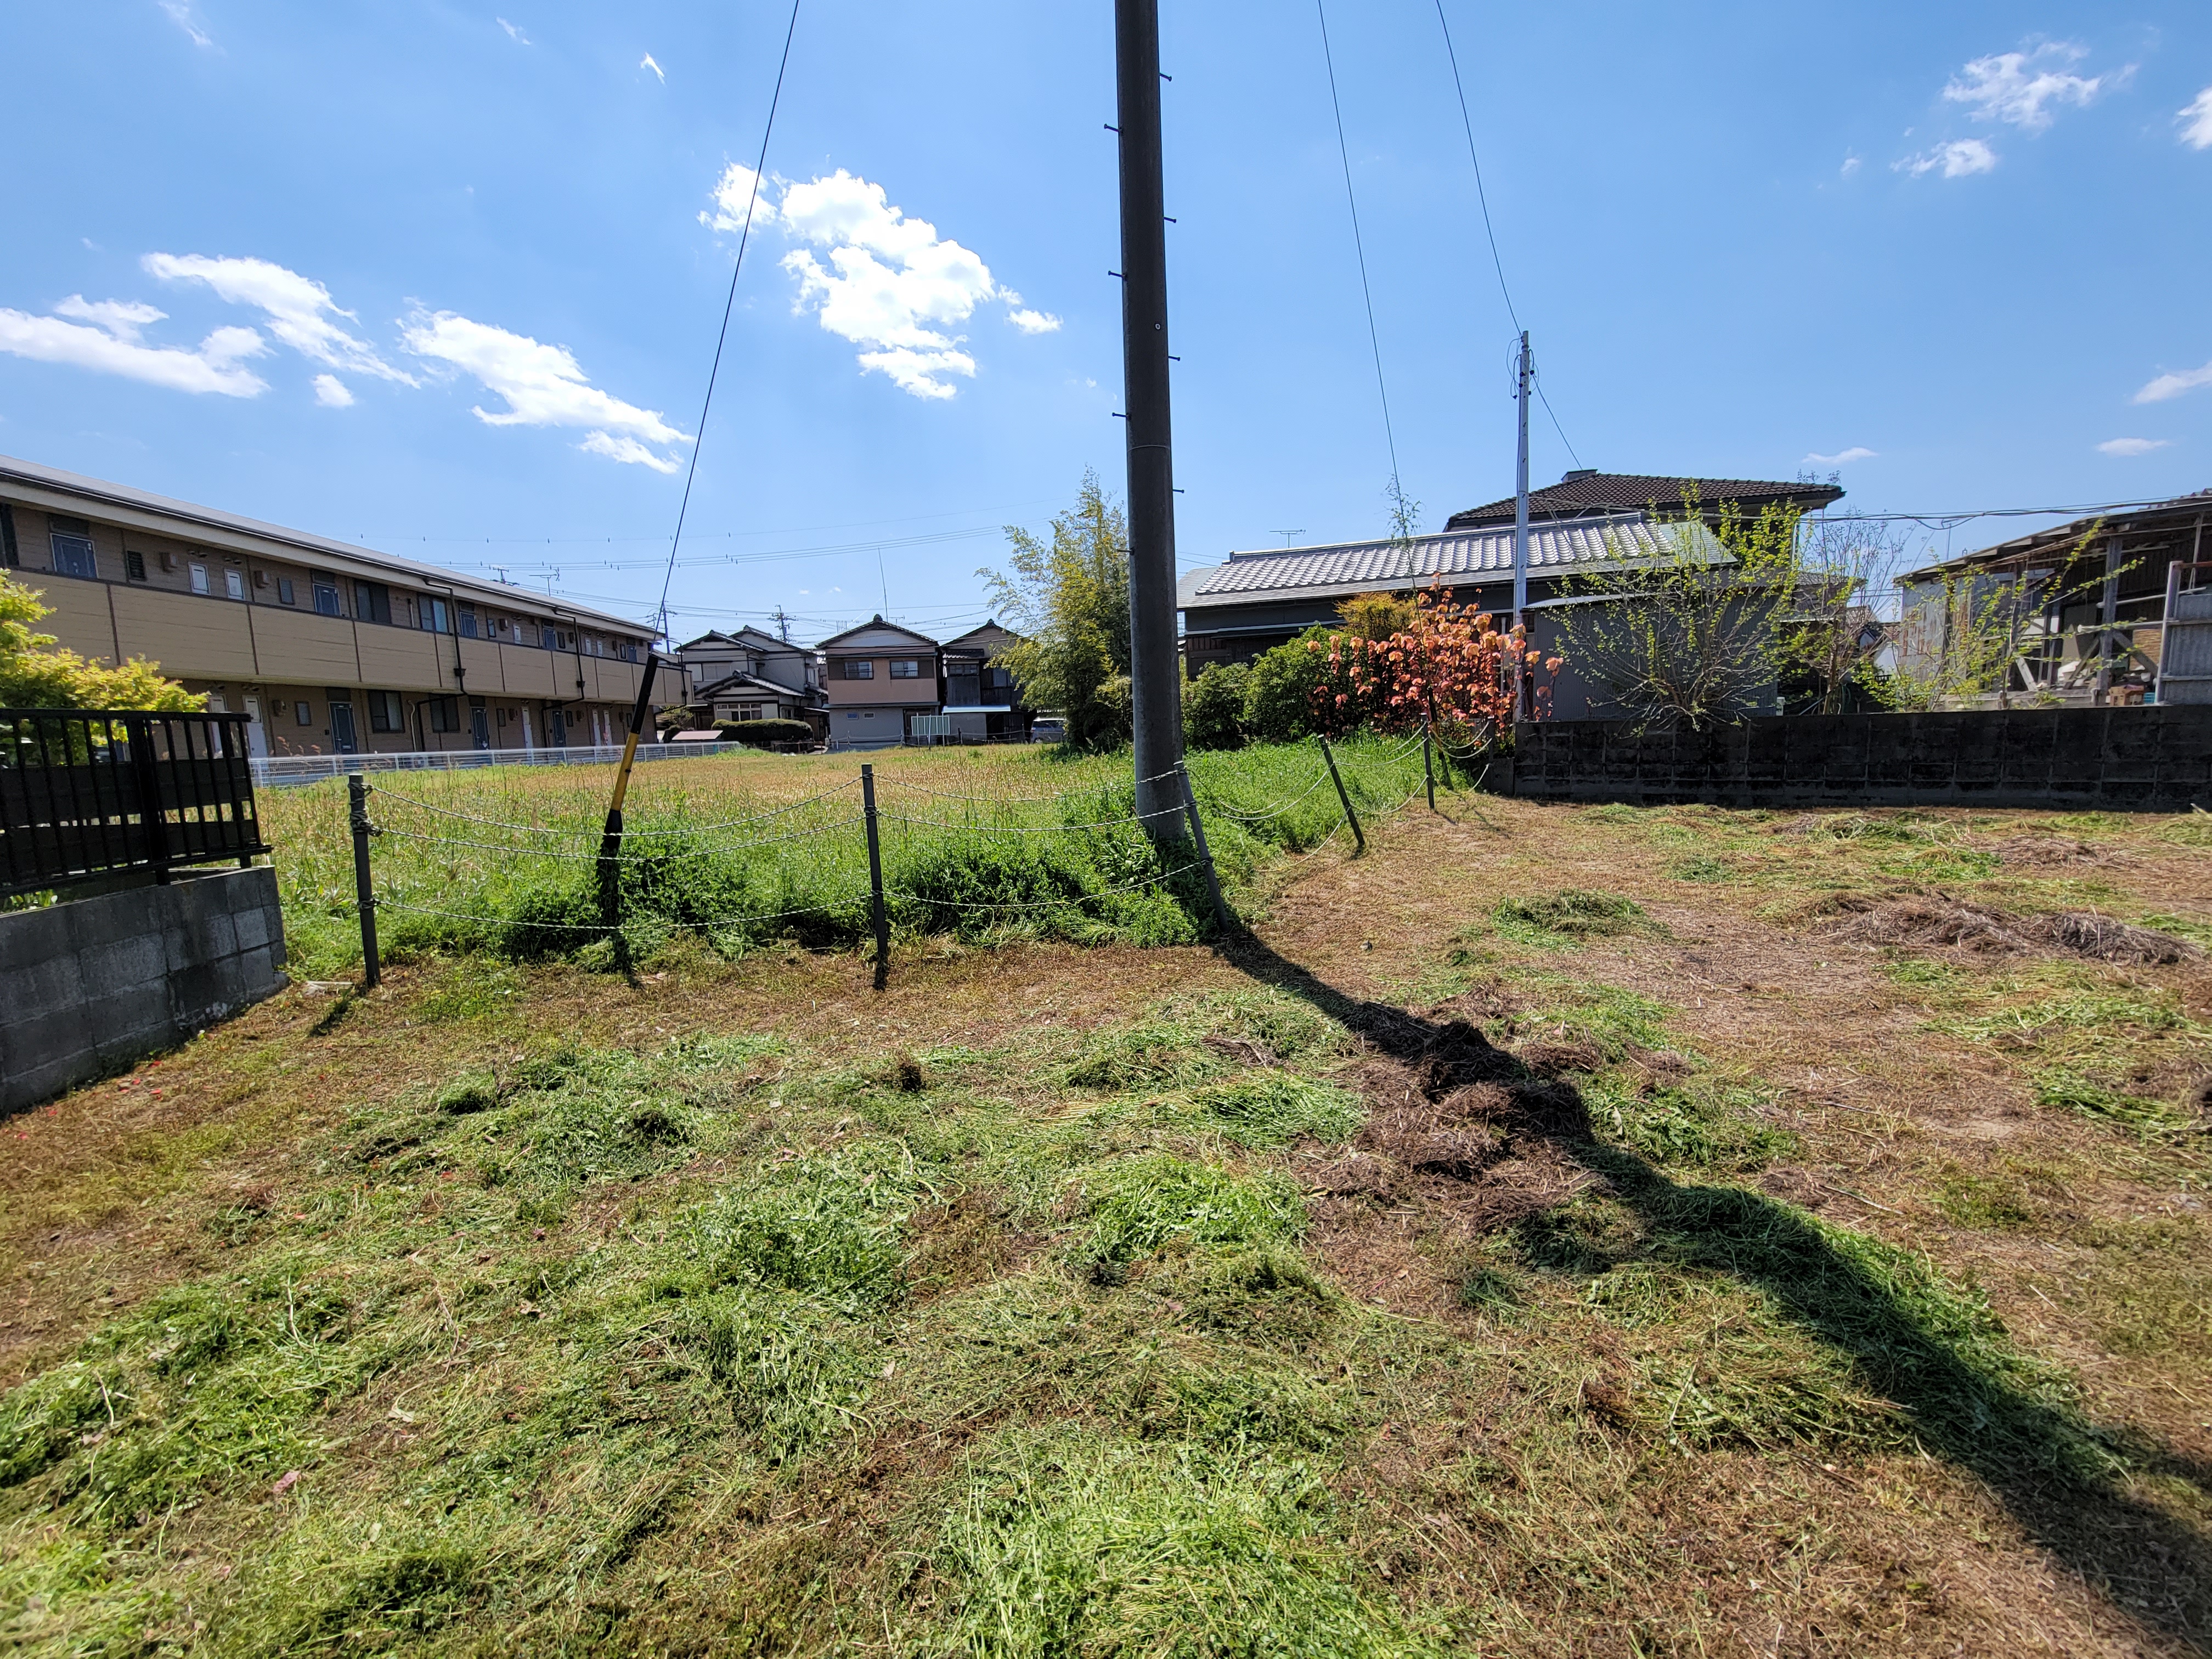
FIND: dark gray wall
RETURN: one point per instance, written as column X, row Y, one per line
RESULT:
column 87, row 985
column 2125, row 760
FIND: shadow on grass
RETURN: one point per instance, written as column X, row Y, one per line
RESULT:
column 1971, row 1399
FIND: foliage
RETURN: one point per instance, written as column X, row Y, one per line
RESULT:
column 1213, row 706
column 1450, row 666
column 36, row 672
column 1282, row 690
column 1069, row 599
column 1964, row 631
column 1376, row 615
column 761, row 733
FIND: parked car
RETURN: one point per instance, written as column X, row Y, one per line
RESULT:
column 1048, row 729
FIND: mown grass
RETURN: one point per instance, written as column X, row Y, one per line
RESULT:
column 743, row 851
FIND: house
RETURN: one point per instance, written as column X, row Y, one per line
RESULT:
column 879, row 678
column 1233, row 611
column 329, row 647
column 2116, row 608
column 980, row 697
column 750, row 675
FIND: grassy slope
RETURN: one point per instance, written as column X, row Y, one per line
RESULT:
column 1110, row 1301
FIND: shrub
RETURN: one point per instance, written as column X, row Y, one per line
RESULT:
column 1213, row 706
column 1279, row 698
column 759, row 734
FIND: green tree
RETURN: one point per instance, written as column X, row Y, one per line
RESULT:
column 1069, row 600
column 1281, row 693
column 37, row 672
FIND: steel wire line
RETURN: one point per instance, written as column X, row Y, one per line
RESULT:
column 556, row 830
column 583, row 856
column 1352, row 200
column 729, row 304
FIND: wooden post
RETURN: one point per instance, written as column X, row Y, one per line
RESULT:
column 1350, row 817
column 1205, row 855
column 611, row 837
column 364, row 893
column 1428, row 768
column 876, row 880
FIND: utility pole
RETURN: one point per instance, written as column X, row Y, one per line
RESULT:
column 1521, row 492
column 1156, row 690
column 1523, row 686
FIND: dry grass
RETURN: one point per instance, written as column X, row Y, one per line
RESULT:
column 1547, row 1235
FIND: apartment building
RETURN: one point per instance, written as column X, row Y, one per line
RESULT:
column 880, row 677
column 331, row 647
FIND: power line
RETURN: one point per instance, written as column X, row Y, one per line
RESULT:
column 1344, row 152
column 699, row 439
column 1480, row 194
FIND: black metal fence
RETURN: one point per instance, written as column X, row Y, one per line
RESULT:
column 89, row 793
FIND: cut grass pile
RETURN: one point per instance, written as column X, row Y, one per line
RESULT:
column 743, row 851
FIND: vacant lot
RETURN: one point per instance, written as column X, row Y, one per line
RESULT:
column 1560, row 1231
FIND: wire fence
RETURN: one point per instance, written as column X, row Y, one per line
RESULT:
column 485, row 870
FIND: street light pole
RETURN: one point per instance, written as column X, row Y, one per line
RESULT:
column 1155, row 674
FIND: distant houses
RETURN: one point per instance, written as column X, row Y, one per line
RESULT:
column 870, row 687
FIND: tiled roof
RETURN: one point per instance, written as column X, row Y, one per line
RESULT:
column 1359, row 567
column 1635, row 492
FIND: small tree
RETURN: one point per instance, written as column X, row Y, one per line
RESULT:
column 37, row 672
column 1375, row 615
column 1964, row 631
column 1450, row 666
column 1069, row 598
column 1213, row 706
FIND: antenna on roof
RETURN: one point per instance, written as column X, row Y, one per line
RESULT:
column 1287, row 534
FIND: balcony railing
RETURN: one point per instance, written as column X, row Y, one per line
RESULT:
column 86, row 794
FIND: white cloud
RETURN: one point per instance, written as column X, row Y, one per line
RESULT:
column 300, row 310
column 625, row 449
column 647, row 62
column 2126, row 446
column 110, row 342
column 885, row 282
column 2172, row 386
column 180, row 12
column 1851, row 165
column 2022, row 87
column 542, row 385
column 332, row 392
column 2196, row 122
column 1960, row 159
column 1843, row 459
column 512, row 32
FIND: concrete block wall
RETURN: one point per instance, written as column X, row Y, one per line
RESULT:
column 2156, row 759
column 87, row 985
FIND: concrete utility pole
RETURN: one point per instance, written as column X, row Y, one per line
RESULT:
column 1521, row 492
column 1156, row 688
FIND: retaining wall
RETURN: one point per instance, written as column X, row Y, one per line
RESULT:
column 2156, row 759
column 88, row 985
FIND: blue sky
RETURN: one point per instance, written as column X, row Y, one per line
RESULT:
column 444, row 277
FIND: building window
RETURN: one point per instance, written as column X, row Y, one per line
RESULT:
column 468, row 622
column 445, row 715
column 284, row 590
column 134, row 565
column 371, row 602
column 326, row 598
column 434, row 614
column 199, row 579
column 304, row 713
column 906, row 668
column 858, row 668
column 234, row 583
column 384, row 714
column 630, row 650
column 10, row 555
column 72, row 556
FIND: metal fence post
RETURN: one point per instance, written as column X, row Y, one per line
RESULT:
column 1350, row 817
column 882, row 919
column 153, row 815
column 364, row 893
column 1205, row 855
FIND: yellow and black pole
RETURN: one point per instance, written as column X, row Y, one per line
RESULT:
column 610, row 840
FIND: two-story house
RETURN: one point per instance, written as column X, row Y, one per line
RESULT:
column 750, row 675
column 329, row 647
column 878, row 677
column 980, row 693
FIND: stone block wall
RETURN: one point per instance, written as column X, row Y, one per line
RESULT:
column 2156, row 759
column 89, row 985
